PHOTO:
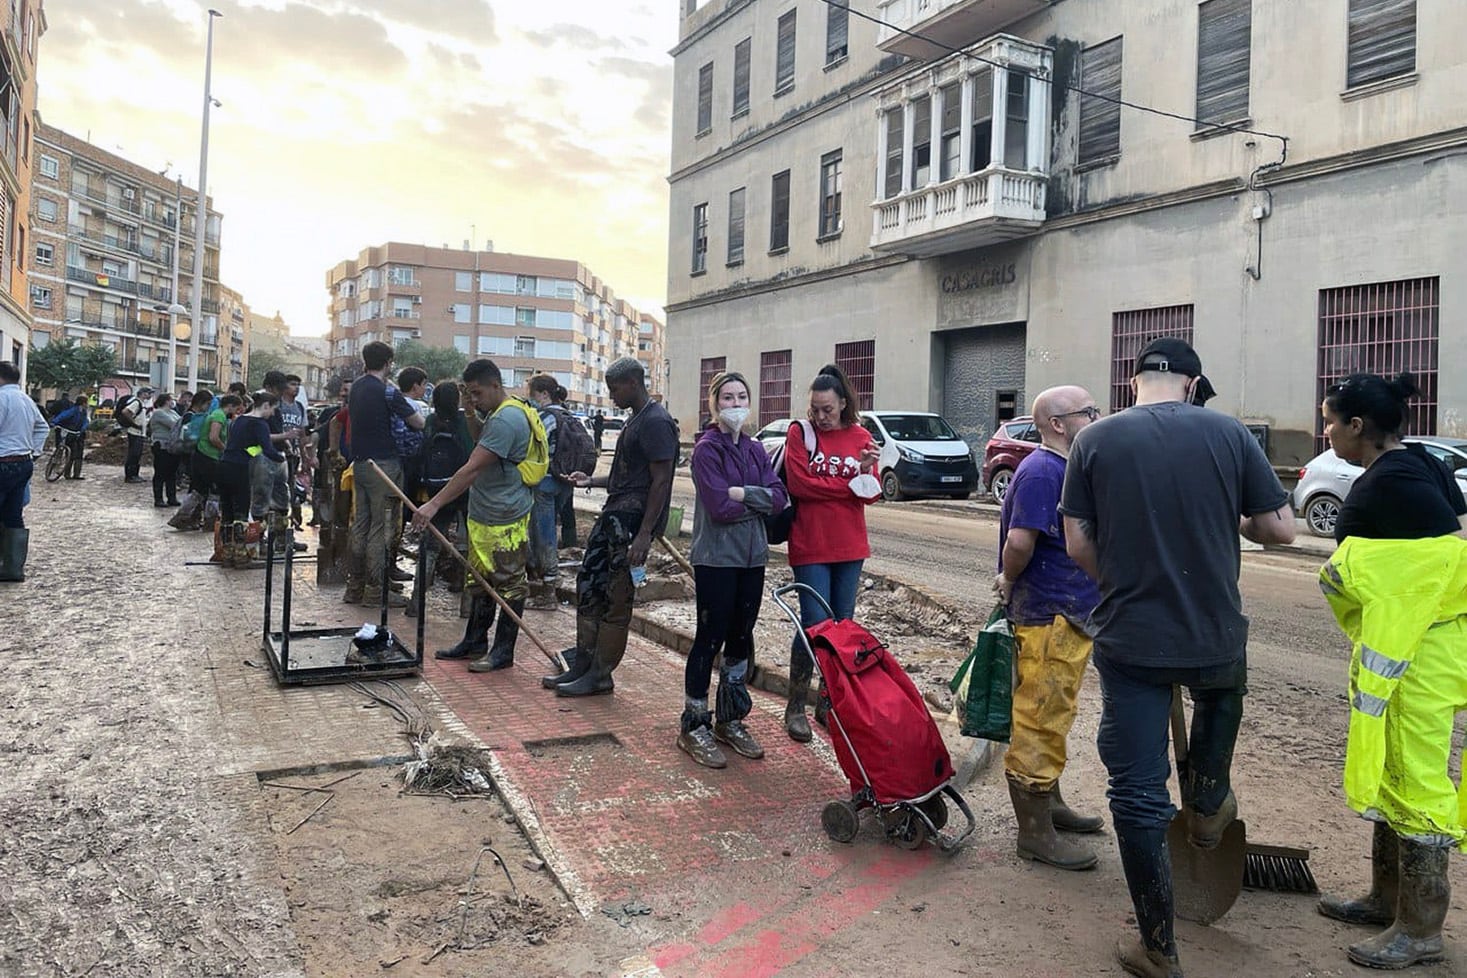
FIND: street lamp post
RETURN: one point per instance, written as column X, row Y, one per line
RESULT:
column 201, row 215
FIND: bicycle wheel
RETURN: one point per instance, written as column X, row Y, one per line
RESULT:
column 56, row 464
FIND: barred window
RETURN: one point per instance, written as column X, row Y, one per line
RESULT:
column 858, row 360
column 1130, row 332
column 775, row 386
column 708, row 368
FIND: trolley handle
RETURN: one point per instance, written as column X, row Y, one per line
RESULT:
column 797, row 588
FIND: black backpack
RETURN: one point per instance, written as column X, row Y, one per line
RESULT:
column 126, row 403
column 575, row 451
column 777, row 525
column 442, row 455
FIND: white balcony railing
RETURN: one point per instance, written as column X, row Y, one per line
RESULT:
column 957, row 23
column 969, row 211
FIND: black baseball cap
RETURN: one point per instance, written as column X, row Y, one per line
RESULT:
column 1167, row 354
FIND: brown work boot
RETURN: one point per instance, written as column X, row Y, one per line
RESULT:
column 1206, row 831
column 1378, row 907
column 1038, row 840
column 1421, row 909
column 1067, row 819
column 1139, row 960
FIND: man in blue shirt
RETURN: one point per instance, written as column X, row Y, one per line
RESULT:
column 1049, row 601
column 23, row 434
column 73, row 421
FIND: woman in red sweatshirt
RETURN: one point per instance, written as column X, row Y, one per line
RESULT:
column 827, row 544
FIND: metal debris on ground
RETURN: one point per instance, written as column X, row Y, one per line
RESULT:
column 623, row 913
column 496, row 916
column 446, row 769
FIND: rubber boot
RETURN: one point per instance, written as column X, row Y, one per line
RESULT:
column 1037, row 839
column 242, row 557
column 13, row 546
column 1067, row 819
column 578, row 658
column 611, row 646
column 501, row 655
column 795, row 722
column 1206, row 831
column 222, row 553
column 1378, row 907
column 542, row 597
column 1421, row 909
column 1148, row 866
column 476, row 631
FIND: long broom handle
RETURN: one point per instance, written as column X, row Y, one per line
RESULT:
column 677, row 556
column 443, row 540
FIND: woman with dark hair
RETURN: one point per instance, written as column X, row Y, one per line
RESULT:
column 1398, row 588
column 446, row 446
column 833, row 486
column 249, row 438
column 736, row 488
column 165, row 464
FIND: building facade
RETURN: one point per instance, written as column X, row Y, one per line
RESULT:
column 968, row 216
column 108, row 253
column 529, row 315
column 234, row 339
column 21, row 27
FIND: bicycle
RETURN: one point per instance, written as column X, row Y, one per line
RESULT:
column 60, row 459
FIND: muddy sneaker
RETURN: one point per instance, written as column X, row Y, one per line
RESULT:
column 698, row 744
column 737, row 736
column 1145, row 962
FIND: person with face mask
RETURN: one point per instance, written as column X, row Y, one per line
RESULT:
column 736, row 487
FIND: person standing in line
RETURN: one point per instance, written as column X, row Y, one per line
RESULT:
column 736, row 488
column 499, row 518
column 23, row 434
column 165, row 464
column 1049, row 601
column 638, row 490
column 298, row 455
column 270, row 491
column 250, row 439
column 1398, row 588
column 544, row 556
column 206, row 463
column 446, row 447
column 565, row 492
column 598, row 427
column 827, row 544
column 130, row 416
column 73, row 421
column 191, row 512
column 1154, row 501
column 371, row 407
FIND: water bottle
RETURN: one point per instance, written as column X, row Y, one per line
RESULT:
column 639, row 576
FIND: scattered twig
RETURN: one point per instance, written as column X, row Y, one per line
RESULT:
column 326, row 801
column 309, row 788
column 463, row 919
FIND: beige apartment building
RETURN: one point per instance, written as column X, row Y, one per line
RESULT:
column 108, row 253
column 964, row 218
column 304, row 356
column 529, row 315
column 21, row 27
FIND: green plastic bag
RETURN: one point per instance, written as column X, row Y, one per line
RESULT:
column 984, row 684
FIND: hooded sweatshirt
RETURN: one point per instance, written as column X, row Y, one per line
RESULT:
column 728, row 533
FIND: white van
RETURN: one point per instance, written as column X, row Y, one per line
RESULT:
column 921, row 455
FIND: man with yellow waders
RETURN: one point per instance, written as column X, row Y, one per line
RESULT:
column 512, row 456
column 1403, row 603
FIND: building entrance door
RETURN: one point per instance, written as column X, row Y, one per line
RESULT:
column 983, row 378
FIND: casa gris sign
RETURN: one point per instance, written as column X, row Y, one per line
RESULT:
column 988, row 277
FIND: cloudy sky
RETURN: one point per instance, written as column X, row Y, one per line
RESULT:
column 346, row 123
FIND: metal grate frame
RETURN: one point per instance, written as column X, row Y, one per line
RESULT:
column 858, row 360
column 1130, row 332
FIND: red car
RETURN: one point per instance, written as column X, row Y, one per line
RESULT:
column 1010, row 445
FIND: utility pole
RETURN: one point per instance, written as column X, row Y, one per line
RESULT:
column 201, row 216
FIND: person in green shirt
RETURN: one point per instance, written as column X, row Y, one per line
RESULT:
column 212, row 439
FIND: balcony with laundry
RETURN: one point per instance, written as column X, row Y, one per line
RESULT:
column 963, row 151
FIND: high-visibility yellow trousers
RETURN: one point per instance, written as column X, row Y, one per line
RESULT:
column 1051, row 669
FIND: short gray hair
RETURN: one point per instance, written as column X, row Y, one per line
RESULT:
column 626, row 368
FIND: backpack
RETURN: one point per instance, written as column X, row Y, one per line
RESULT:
column 777, row 525
column 575, row 451
column 536, row 463
column 182, row 440
column 443, row 455
column 409, row 441
column 125, row 403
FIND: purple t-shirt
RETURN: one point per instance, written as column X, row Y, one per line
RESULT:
column 1052, row 584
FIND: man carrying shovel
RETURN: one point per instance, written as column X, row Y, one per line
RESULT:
column 1154, row 500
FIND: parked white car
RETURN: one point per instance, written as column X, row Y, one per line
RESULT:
column 921, row 455
column 1326, row 480
column 774, row 434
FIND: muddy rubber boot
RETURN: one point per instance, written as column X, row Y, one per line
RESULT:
column 1137, row 959
column 578, row 658
column 501, row 655
column 1037, row 838
column 476, row 631
column 795, row 722
column 542, row 597
column 1067, row 819
column 1206, row 831
column 1421, row 909
column 572, row 656
column 222, row 554
column 241, row 558
column 1148, row 868
column 1378, row 907
column 14, row 544
column 611, row 646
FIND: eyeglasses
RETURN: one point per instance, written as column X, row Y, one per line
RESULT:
column 1091, row 412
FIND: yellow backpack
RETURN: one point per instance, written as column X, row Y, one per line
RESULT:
column 536, row 463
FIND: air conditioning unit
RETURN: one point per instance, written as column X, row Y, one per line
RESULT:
column 128, row 193
column 417, row 334
column 417, row 300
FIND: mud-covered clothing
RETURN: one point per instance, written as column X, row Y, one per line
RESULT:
column 1406, row 494
column 830, row 524
column 650, row 435
column 728, row 533
column 1051, row 670
column 1052, row 584
column 604, row 585
column 500, row 553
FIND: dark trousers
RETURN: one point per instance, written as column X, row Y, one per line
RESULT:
column 565, row 508
column 728, row 608
column 203, row 470
column 78, row 442
column 165, row 474
column 604, row 589
column 14, row 477
column 134, row 461
column 232, row 480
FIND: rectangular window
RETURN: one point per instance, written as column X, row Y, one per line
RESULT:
column 526, row 284
column 921, row 141
column 1383, row 328
column 952, row 132
column 830, row 194
column 736, row 227
column 524, row 316
column 742, row 52
column 524, row 346
column 402, row 308
column 401, row 275
column 555, row 319
column 1100, row 112
column 708, row 368
column 496, row 315
column 40, row 297
column 45, row 209
column 982, row 121
column 774, row 386
column 463, row 281
column 895, row 132
column 1382, row 40
column 784, row 61
column 50, row 168
column 496, row 346
column 837, row 31
column 858, row 360
column 1130, row 332
column 554, row 349
column 462, row 312
column 1224, row 47
column 1016, row 128
column 462, row 343
column 779, row 212
column 555, row 288
column 705, row 99
column 700, row 238
column 45, row 254
column 497, row 282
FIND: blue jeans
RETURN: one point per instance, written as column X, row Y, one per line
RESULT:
column 1135, row 709
column 544, row 557
column 837, row 584
column 14, row 478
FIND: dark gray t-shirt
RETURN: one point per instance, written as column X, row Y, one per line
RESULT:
column 1164, row 486
column 649, row 436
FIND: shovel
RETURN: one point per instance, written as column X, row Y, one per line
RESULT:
column 1205, row 882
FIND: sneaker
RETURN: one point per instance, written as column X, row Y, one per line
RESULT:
column 699, row 745
column 737, row 736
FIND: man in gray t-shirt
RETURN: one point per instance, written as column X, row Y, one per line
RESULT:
column 499, row 517
column 1154, row 501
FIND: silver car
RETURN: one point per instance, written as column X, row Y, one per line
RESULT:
column 1326, row 480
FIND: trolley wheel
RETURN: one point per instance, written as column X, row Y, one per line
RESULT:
column 840, row 820
column 936, row 811
column 904, row 827
column 56, row 465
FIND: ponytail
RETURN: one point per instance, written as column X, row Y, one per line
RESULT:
column 1381, row 404
column 832, row 378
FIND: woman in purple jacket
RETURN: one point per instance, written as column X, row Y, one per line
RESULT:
column 736, row 488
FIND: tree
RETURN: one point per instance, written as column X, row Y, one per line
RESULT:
column 66, row 366
column 262, row 362
column 438, row 362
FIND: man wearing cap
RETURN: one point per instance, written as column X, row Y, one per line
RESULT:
column 1154, row 500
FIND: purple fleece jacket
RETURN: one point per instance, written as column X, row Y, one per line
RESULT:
column 727, row 533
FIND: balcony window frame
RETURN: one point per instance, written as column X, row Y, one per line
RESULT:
column 50, row 167
column 831, row 181
column 779, row 212
column 1016, row 126
column 705, row 101
column 743, row 66
column 981, row 124
column 784, row 54
column 950, row 136
column 896, row 130
column 921, row 149
column 700, row 238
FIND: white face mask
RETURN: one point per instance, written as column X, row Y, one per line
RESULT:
column 734, row 417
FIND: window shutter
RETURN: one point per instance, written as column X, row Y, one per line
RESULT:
column 736, row 226
column 741, row 76
column 779, row 217
column 705, row 98
column 1100, row 118
column 784, row 68
column 1382, row 40
column 837, row 30
column 1224, row 44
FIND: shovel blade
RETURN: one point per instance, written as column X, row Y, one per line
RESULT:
column 1206, row 882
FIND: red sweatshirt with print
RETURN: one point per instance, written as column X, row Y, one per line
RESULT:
column 830, row 525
